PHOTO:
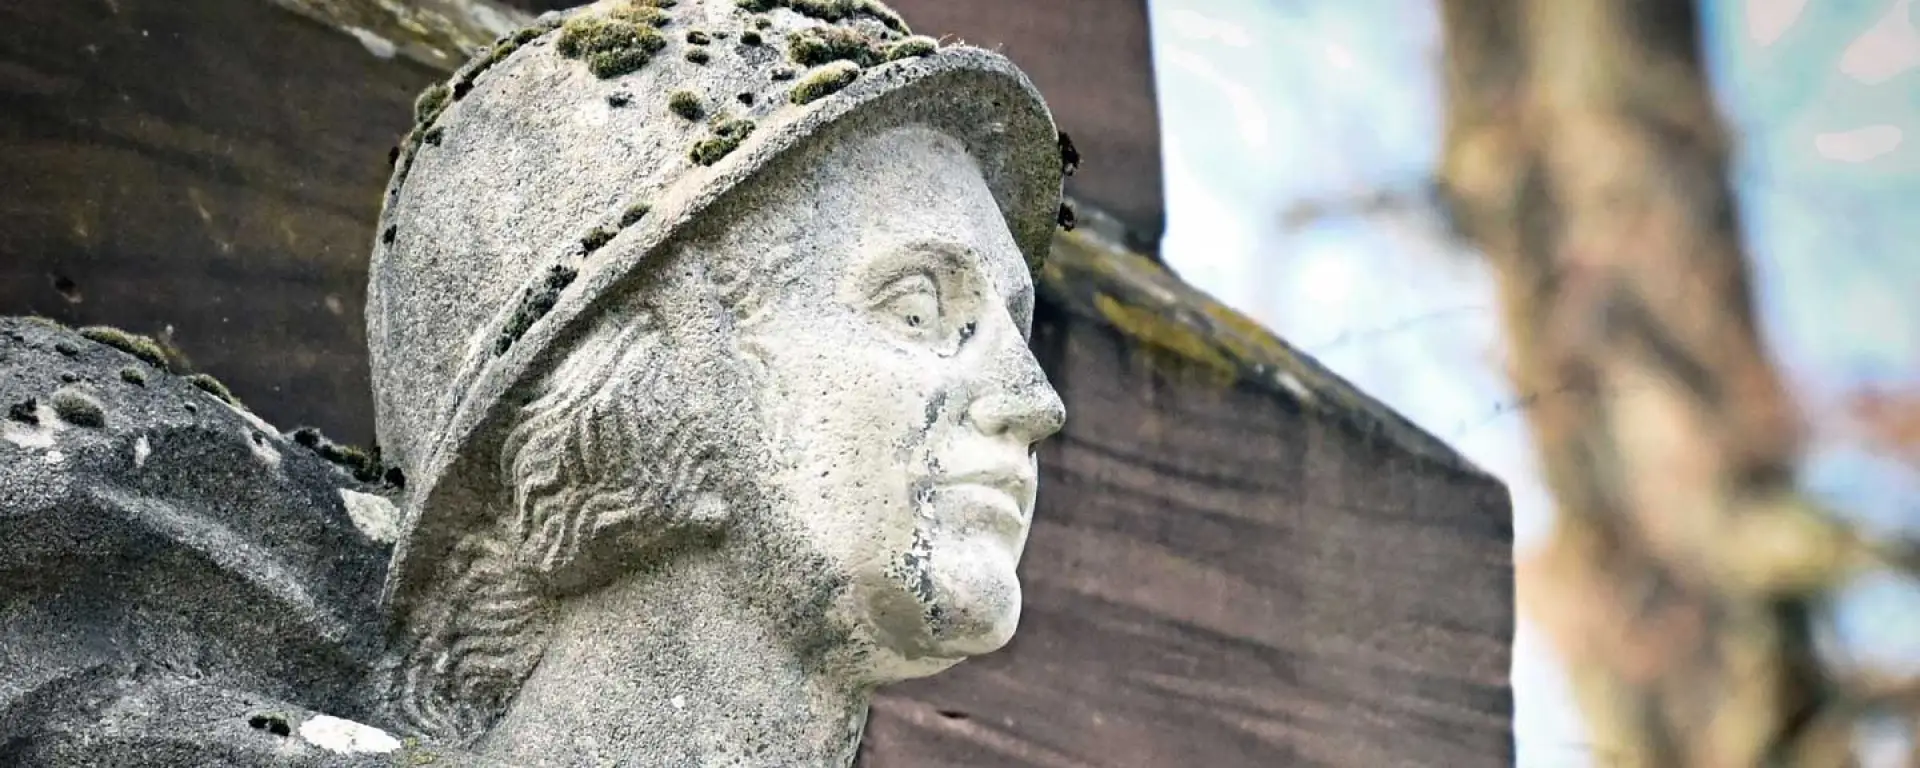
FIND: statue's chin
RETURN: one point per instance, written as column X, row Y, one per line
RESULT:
column 975, row 611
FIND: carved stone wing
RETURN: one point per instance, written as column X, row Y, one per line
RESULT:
column 160, row 548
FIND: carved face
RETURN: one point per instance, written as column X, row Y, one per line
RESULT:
column 906, row 404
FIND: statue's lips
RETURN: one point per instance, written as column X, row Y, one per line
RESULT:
column 988, row 502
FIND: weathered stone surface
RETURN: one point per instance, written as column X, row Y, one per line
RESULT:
column 166, row 535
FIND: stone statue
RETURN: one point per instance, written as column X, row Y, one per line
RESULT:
column 698, row 333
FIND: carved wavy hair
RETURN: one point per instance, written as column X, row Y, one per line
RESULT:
column 608, row 460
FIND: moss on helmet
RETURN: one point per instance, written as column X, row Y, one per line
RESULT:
column 535, row 304
column 699, row 55
column 912, row 48
column 431, row 103
column 824, row 82
column 634, row 214
column 597, row 239
column 616, row 44
column 78, row 408
column 686, row 104
column 833, row 10
column 212, row 386
column 727, row 135
column 143, row 347
column 815, row 46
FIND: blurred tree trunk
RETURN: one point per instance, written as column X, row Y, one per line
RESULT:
column 1585, row 157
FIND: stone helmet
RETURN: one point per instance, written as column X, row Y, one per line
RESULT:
column 552, row 167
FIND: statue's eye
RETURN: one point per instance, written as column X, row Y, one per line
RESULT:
column 913, row 302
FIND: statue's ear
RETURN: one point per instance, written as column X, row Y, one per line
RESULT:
column 149, row 521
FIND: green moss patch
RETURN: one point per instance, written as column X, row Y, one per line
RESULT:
column 365, row 465
column 597, row 239
column 699, row 56
column 833, row 10
column 726, row 138
column 143, row 347
column 534, row 304
column 751, row 37
column 431, row 103
column 782, row 73
column 615, row 44
column 697, row 37
column 214, row 387
column 133, row 376
column 686, row 104
column 26, row 411
column 912, row 48
column 824, row 82
column 815, row 46
column 78, row 408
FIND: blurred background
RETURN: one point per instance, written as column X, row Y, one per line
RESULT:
column 1301, row 140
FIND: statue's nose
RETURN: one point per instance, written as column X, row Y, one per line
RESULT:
column 1019, row 403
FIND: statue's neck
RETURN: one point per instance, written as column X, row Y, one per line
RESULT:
column 671, row 668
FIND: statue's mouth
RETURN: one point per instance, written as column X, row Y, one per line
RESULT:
column 989, row 502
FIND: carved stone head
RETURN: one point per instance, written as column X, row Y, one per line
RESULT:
column 742, row 282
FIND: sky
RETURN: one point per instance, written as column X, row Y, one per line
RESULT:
column 1268, row 106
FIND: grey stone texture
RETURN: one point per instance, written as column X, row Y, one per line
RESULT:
column 698, row 426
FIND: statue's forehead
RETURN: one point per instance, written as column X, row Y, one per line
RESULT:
column 880, row 195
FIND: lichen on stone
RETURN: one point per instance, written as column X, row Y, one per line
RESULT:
column 1171, row 344
column 77, row 408
column 143, row 347
column 212, row 386
column 815, row 46
column 824, row 82
column 618, row 43
column 534, row 304
column 912, row 48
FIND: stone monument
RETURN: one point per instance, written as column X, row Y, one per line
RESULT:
column 704, row 403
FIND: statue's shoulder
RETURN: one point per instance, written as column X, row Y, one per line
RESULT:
column 150, row 526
